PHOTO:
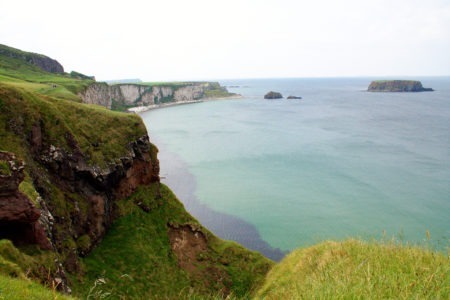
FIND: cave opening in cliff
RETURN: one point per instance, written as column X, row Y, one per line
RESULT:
column 19, row 233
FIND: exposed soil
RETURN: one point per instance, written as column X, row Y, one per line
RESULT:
column 191, row 248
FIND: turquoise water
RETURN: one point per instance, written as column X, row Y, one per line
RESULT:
column 339, row 163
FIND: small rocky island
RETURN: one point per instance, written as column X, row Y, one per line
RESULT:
column 273, row 95
column 294, row 97
column 397, row 86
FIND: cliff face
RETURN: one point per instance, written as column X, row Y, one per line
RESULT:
column 73, row 183
column 397, row 86
column 130, row 95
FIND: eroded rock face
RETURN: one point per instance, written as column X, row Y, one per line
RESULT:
column 92, row 211
column 191, row 249
column 19, row 217
column 47, row 64
column 397, row 86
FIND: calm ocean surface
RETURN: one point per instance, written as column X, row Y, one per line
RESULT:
column 339, row 163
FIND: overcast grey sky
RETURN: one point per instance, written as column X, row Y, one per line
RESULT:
column 207, row 39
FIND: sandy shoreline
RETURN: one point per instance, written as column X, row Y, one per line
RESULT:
column 139, row 109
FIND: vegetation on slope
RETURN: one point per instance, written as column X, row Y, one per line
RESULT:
column 357, row 270
column 18, row 269
column 136, row 258
column 17, row 71
column 19, row 289
column 101, row 134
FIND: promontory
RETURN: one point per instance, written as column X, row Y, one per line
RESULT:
column 397, row 86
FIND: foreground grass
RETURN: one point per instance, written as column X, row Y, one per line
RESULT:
column 17, row 269
column 357, row 270
column 19, row 289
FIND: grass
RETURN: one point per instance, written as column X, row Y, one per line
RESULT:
column 101, row 141
column 17, row 72
column 135, row 259
column 4, row 168
column 358, row 270
column 30, row 96
column 27, row 263
column 217, row 93
column 19, row 289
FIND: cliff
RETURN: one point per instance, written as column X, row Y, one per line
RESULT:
column 81, row 201
column 41, row 61
column 122, row 96
column 397, row 86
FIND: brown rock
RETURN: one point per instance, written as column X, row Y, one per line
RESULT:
column 18, row 208
column 19, row 218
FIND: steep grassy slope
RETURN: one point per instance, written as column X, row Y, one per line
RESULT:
column 356, row 270
column 156, row 250
column 101, row 134
column 16, row 70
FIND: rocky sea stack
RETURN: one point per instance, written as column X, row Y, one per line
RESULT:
column 273, row 95
column 397, row 86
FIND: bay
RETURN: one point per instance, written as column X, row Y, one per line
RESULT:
column 341, row 162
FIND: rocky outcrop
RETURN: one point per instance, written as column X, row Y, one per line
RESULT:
column 294, row 97
column 46, row 63
column 397, row 86
column 43, row 62
column 19, row 217
column 132, row 95
column 273, row 95
column 97, row 190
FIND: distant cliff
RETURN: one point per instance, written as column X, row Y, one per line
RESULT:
column 122, row 96
column 43, row 62
column 397, row 86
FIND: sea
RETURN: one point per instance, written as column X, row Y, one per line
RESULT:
column 276, row 175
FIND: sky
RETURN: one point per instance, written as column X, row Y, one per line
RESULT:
column 207, row 39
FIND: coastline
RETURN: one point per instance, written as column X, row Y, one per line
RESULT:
column 140, row 109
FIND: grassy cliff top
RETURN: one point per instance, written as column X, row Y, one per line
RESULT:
column 16, row 70
column 357, row 270
column 30, row 96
